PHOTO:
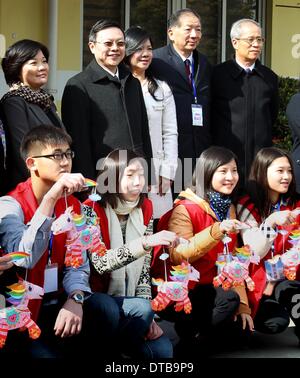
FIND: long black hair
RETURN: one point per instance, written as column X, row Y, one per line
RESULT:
column 258, row 186
column 135, row 36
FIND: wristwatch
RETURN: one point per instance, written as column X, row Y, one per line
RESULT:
column 77, row 297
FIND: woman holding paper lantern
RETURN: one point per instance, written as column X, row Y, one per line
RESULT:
column 205, row 216
column 122, row 269
column 271, row 206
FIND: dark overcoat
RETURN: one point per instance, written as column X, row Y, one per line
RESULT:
column 243, row 110
column 19, row 116
column 103, row 113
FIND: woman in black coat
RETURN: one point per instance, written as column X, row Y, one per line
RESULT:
column 26, row 104
column 293, row 115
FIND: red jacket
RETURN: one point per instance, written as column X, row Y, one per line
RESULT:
column 100, row 283
column 257, row 272
column 24, row 195
column 205, row 264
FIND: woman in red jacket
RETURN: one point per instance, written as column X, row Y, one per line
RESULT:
column 204, row 215
column 270, row 208
column 122, row 270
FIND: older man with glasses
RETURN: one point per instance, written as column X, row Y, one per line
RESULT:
column 103, row 106
column 244, row 97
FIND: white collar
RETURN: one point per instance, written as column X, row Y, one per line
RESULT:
column 244, row 67
column 110, row 72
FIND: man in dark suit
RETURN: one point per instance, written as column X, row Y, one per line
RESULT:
column 188, row 74
column 103, row 106
column 244, row 97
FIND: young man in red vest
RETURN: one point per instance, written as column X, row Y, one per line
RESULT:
column 26, row 216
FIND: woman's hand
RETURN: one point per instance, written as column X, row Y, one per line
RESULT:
column 230, row 226
column 164, row 185
column 246, row 321
column 167, row 238
column 281, row 218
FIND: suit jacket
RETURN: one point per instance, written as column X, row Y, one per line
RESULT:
column 102, row 113
column 167, row 65
column 20, row 116
column 244, row 109
column 293, row 115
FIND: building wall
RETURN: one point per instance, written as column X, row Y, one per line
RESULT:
column 21, row 19
column 285, row 52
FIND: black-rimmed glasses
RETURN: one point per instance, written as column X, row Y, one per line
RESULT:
column 58, row 155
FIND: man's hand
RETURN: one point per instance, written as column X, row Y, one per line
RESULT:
column 5, row 263
column 154, row 331
column 69, row 319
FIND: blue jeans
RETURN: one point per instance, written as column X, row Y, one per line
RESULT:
column 136, row 317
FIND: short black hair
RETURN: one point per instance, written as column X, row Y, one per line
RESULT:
column 43, row 136
column 101, row 25
column 18, row 54
column 174, row 18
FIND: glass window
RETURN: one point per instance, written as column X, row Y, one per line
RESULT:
column 151, row 15
column 210, row 13
column 237, row 9
column 94, row 10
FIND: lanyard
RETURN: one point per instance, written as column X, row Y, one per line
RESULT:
column 193, row 82
column 50, row 245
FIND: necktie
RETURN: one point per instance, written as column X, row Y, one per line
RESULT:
column 248, row 71
column 188, row 70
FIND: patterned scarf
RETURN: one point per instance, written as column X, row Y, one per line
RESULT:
column 39, row 97
column 220, row 204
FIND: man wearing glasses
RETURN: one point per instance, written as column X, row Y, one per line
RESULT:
column 103, row 107
column 244, row 97
column 26, row 217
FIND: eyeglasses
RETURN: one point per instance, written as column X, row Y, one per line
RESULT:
column 110, row 44
column 59, row 156
column 251, row 40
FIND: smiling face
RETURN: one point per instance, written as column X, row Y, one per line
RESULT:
column 109, row 48
column 34, row 72
column 225, row 178
column 244, row 52
column 142, row 58
column 279, row 175
column 186, row 35
column 132, row 181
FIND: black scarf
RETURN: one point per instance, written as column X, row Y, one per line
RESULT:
column 220, row 204
column 39, row 97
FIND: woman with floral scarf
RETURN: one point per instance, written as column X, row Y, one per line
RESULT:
column 205, row 216
column 26, row 104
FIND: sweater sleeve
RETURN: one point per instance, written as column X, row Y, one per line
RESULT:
column 199, row 244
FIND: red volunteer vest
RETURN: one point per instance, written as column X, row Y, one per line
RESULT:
column 257, row 272
column 100, row 283
column 206, row 264
column 24, row 195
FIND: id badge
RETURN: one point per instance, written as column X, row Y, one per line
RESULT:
column 197, row 114
column 51, row 278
